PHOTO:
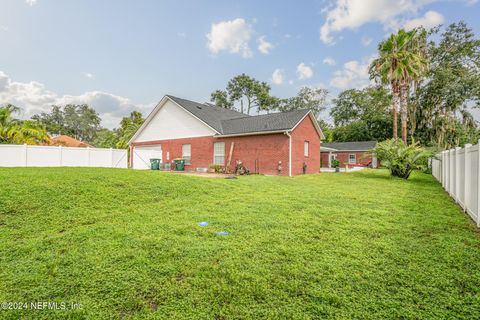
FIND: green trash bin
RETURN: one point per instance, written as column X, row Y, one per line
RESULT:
column 179, row 164
column 155, row 164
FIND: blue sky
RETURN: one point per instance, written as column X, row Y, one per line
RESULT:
column 124, row 55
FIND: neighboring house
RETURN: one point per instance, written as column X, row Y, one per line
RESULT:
column 203, row 134
column 67, row 141
column 348, row 153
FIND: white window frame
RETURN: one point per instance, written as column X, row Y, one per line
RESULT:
column 306, row 148
column 354, row 158
column 219, row 153
column 187, row 153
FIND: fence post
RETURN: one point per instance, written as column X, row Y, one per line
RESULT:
column 466, row 177
column 88, row 156
column 457, row 174
column 442, row 168
column 478, row 185
column 24, row 155
column 60, row 156
column 111, row 157
column 450, row 172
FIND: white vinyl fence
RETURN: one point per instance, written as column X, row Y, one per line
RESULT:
column 458, row 172
column 12, row 155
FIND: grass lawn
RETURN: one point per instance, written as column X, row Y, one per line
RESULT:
column 126, row 244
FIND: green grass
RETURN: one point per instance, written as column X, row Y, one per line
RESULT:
column 126, row 244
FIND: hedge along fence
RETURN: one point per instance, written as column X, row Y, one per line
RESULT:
column 12, row 155
column 459, row 173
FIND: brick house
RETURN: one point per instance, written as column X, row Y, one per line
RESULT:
column 286, row 143
column 348, row 153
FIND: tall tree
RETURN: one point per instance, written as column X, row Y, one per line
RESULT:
column 392, row 65
column 221, row 99
column 441, row 105
column 413, row 66
column 249, row 92
column 14, row 131
column 306, row 98
column 80, row 121
column 361, row 115
column 128, row 126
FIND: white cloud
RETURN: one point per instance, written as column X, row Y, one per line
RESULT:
column 182, row 34
column 353, row 75
column 277, row 76
column 232, row 36
column 366, row 41
column 290, row 81
column 89, row 75
column 304, row 71
column 3, row 28
column 34, row 98
column 329, row 61
column 31, row 3
column 351, row 14
column 264, row 46
column 430, row 19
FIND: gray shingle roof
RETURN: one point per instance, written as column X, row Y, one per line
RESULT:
column 208, row 113
column 350, row 146
column 229, row 122
column 266, row 122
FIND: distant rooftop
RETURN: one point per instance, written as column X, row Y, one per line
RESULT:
column 348, row 146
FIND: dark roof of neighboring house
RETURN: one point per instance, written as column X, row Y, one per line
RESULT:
column 230, row 122
column 350, row 146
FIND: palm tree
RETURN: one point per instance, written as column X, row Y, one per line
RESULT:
column 413, row 66
column 14, row 131
column 396, row 65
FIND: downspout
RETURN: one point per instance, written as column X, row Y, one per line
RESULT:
column 289, row 153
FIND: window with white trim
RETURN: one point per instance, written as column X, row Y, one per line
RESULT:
column 219, row 153
column 186, row 153
column 305, row 148
column 352, row 158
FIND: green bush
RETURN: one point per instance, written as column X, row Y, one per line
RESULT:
column 217, row 168
column 335, row 163
column 401, row 159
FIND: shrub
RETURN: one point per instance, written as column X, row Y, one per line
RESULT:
column 335, row 163
column 217, row 168
column 401, row 159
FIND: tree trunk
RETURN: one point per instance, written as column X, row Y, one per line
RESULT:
column 404, row 110
column 395, row 103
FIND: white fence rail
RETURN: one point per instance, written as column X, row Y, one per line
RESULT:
column 12, row 155
column 459, row 173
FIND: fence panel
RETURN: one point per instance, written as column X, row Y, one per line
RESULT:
column 459, row 173
column 51, row 156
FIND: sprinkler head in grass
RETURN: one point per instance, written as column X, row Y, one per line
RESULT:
column 203, row 224
column 222, row 233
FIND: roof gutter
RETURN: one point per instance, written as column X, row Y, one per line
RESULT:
column 248, row 134
column 338, row 150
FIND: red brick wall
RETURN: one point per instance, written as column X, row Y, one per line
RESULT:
column 362, row 158
column 305, row 131
column 266, row 149
column 263, row 150
column 201, row 150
